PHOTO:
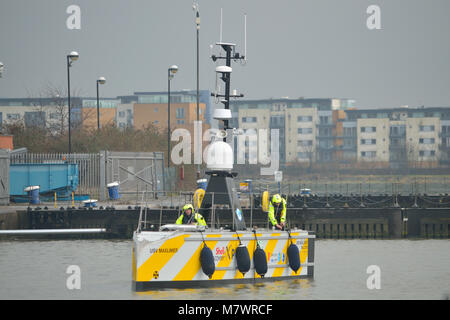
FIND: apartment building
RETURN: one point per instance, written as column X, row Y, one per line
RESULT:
column 423, row 139
column 50, row 113
column 124, row 112
column 181, row 115
column 107, row 112
column 373, row 140
column 307, row 127
column 398, row 137
column 301, row 142
column 53, row 113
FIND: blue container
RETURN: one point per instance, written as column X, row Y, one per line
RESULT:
column 33, row 194
column 202, row 184
column 48, row 176
column 113, row 190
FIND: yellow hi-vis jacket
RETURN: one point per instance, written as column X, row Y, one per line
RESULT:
column 197, row 219
column 279, row 211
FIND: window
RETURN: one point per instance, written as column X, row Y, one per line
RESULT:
column 13, row 116
column 368, row 129
column 53, row 115
column 426, row 128
column 368, row 154
column 324, row 120
column 175, row 99
column 304, row 143
column 277, row 120
column 304, row 118
column 350, row 131
column 325, row 132
column 427, row 153
column 368, row 141
column 348, row 143
column 180, row 113
column 121, row 114
column 426, row 140
column 249, row 119
column 304, row 130
column 35, row 118
column 180, row 121
column 278, row 107
column 303, row 155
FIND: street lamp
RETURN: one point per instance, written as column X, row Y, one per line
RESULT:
column 100, row 80
column 170, row 74
column 73, row 56
column 197, row 22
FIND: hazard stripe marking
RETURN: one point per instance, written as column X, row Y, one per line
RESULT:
column 193, row 266
column 156, row 261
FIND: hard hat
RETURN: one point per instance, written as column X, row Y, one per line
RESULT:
column 276, row 198
column 188, row 206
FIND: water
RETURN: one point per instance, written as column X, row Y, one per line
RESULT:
column 410, row 269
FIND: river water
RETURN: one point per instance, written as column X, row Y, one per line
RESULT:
column 408, row 269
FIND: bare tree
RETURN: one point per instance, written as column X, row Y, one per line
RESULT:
column 52, row 102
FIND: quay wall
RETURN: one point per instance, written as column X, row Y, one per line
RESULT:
column 334, row 223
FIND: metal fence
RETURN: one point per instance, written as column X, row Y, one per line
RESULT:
column 88, row 167
column 4, row 177
column 376, row 185
column 133, row 170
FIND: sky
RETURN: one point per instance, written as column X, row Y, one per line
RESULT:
column 301, row 48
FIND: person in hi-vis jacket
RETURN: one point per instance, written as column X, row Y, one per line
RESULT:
column 188, row 216
column 277, row 212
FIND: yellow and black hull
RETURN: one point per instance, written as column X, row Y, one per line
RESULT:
column 171, row 259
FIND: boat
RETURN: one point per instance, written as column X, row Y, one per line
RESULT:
column 173, row 258
column 189, row 256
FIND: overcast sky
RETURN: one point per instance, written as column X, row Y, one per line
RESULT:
column 301, row 48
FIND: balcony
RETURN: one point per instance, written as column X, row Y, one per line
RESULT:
column 325, row 124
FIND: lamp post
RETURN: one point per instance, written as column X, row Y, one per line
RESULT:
column 73, row 56
column 100, row 80
column 197, row 23
column 170, row 74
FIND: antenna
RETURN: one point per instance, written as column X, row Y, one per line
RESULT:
column 224, row 72
column 220, row 24
column 245, row 37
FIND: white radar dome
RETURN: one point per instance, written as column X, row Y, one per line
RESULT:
column 219, row 156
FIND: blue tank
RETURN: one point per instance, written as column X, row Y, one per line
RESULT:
column 48, row 176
